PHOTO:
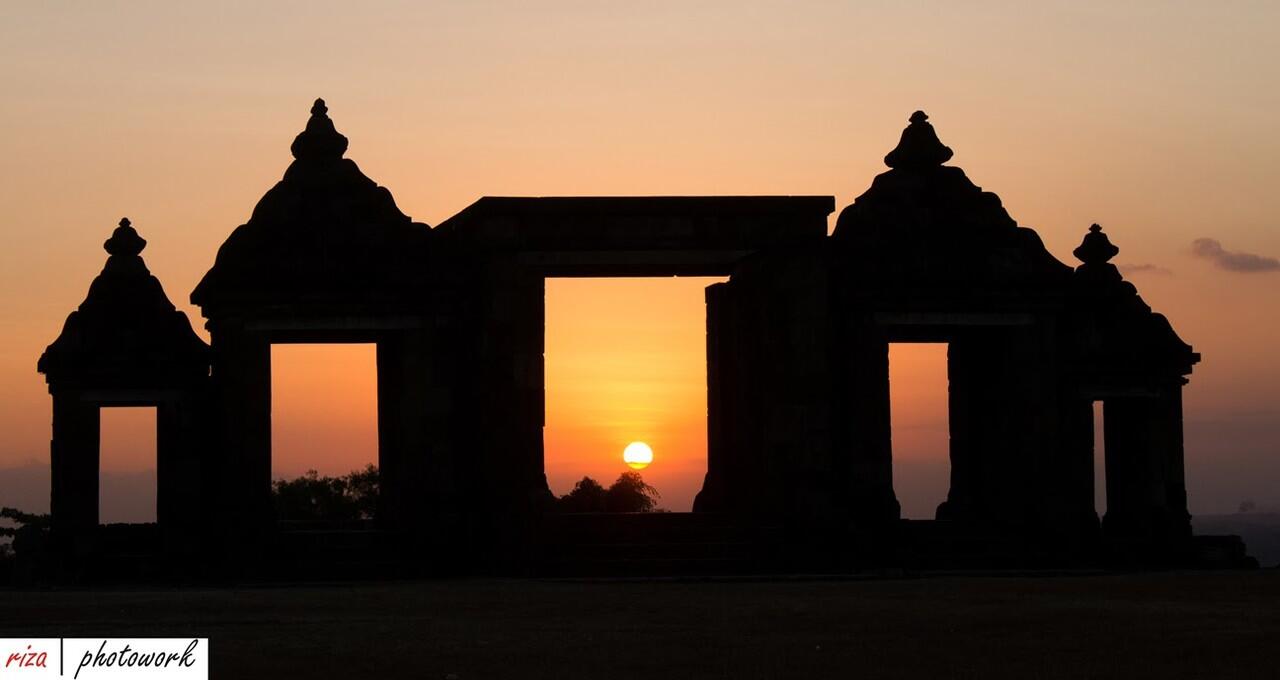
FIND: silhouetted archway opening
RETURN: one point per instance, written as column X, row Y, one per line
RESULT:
column 921, row 435
column 324, row 419
column 127, row 463
column 625, row 361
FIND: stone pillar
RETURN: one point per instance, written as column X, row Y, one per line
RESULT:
column 1059, row 436
column 183, row 455
column 503, row 466
column 395, row 479
column 1012, row 455
column 1146, row 487
column 173, row 466
column 748, row 471
column 417, row 429
column 512, row 361
column 242, row 385
column 739, row 430
column 1075, row 453
column 721, row 398
column 792, row 439
column 74, row 455
column 531, row 382
column 965, row 408
column 864, row 432
column 991, row 420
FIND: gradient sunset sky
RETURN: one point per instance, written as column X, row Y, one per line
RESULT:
column 1156, row 119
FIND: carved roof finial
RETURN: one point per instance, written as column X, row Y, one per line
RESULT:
column 919, row 146
column 124, row 241
column 1096, row 248
column 320, row 141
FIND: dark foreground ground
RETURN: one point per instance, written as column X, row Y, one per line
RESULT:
column 1183, row 625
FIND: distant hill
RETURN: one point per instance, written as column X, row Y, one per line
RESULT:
column 25, row 486
column 1260, row 531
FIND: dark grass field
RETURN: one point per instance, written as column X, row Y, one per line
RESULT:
column 1166, row 625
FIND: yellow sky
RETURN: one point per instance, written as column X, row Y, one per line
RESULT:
column 1155, row 119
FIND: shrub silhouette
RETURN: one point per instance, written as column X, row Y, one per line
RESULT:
column 630, row 493
column 29, row 547
column 352, row 496
column 587, row 496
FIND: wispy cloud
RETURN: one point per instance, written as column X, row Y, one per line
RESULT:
column 1248, row 263
column 1127, row 269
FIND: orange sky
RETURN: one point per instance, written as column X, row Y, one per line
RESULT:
column 918, row 415
column 626, row 361
column 1155, row 119
column 324, row 408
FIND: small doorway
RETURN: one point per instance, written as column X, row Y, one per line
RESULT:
column 324, row 431
column 127, row 455
column 921, row 434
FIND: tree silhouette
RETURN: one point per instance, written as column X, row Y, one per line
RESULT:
column 587, row 496
column 629, row 493
column 312, row 497
column 362, row 487
column 22, row 520
column 30, row 540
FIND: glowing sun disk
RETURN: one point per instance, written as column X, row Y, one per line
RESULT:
column 638, row 455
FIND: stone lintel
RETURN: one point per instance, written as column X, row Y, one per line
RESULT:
column 629, row 263
column 640, row 223
column 318, row 329
column 953, row 318
column 131, row 397
column 1102, row 393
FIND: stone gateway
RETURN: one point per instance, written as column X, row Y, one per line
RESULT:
column 800, row 453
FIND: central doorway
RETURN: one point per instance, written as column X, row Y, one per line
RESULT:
column 625, row 362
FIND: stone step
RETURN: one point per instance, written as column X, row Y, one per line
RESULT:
column 651, row 551
column 648, row 544
column 286, row 540
column 646, row 528
column 654, row 567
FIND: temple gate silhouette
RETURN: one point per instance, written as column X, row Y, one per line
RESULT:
column 799, row 438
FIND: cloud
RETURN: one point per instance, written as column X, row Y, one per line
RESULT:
column 1127, row 269
column 1248, row 263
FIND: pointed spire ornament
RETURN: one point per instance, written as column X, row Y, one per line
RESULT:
column 320, row 141
column 1096, row 248
column 124, row 241
column 919, row 146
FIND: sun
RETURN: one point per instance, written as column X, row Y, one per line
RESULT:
column 638, row 455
